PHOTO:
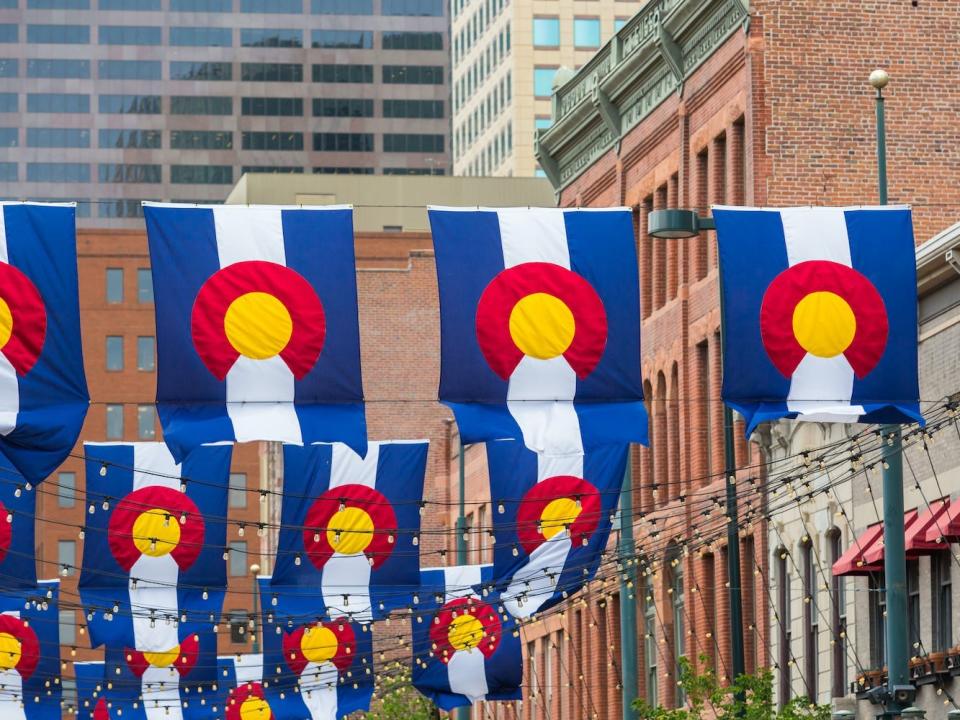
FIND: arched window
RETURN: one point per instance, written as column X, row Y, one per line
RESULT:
column 838, row 617
column 649, row 609
column 674, row 576
column 811, row 628
column 783, row 623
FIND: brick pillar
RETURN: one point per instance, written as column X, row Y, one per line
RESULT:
column 700, row 199
column 716, row 407
column 659, row 257
column 660, row 450
column 723, row 613
column 673, row 246
column 673, row 422
column 735, row 168
column 716, row 189
column 601, row 658
column 645, row 257
column 645, row 454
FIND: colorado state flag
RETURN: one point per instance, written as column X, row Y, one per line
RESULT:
column 29, row 622
column 92, row 703
column 820, row 314
column 43, row 390
column 155, row 534
column 464, row 650
column 348, row 543
column 18, row 552
column 257, row 331
column 540, row 320
column 555, row 522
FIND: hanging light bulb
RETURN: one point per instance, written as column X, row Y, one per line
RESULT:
column 103, row 469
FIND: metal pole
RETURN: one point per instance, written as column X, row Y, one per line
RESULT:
column 895, row 562
column 254, row 570
column 628, row 602
column 462, row 713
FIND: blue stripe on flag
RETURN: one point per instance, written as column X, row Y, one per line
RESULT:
column 18, row 569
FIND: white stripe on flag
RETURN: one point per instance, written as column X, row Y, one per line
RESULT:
column 260, row 393
column 533, row 235
column 318, row 690
column 153, row 465
column 346, row 586
column 11, row 685
column 248, row 668
column 160, row 691
column 467, row 674
column 9, row 386
column 820, row 388
column 4, row 252
column 460, row 579
column 536, row 582
column 348, row 468
column 549, row 466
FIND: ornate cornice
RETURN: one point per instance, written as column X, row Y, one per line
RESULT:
column 647, row 60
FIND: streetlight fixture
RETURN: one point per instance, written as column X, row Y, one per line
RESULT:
column 254, row 571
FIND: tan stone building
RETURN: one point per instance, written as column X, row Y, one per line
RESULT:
column 504, row 57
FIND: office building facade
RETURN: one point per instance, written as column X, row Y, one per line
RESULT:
column 505, row 56
column 116, row 101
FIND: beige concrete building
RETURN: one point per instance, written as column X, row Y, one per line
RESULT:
column 505, row 56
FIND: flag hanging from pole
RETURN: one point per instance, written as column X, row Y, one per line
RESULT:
column 257, row 331
column 18, row 552
column 540, row 325
column 43, row 389
column 464, row 649
column 350, row 528
column 154, row 539
column 555, row 521
column 92, row 703
column 820, row 314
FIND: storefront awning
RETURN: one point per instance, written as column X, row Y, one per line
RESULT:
column 874, row 556
column 947, row 526
column 923, row 537
column 852, row 562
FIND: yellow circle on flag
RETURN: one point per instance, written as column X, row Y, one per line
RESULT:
column 6, row 323
column 10, row 650
column 156, row 532
column 557, row 516
column 824, row 324
column 258, row 325
column 466, row 632
column 542, row 326
column 163, row 658
column 318, row 644
column 350, row 531
column 254, row 708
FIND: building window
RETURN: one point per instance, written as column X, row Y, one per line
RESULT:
column 130, row 104
column 201, row 174
column 413, row 74
column 586, row 32
column 271, row 72
column 120, row 208
column 342, row 107
column 66, row 489
column 810, row 625
column 59, row 4
column 289, row 7
column 9, row 103
column 114, row 285
column 67, row 556
column 146, row 422
column 201, row 105
column 59, row 34
column 271, row 37
column 149, row 139
column 146, row 353
column 340, row 73
column 255, row 140
column 433, row 8
column 650, row 633
column 410, row 142
column 68, row 627
column 272, row 106
column 201, row 140
column 55, row 138
column 413, row 108
column 9, row 68
column 838, row 619
column 114, row 352
column 343, row 170
column 941, row 593
column 546, row 32
column 341, row 7
column 58, row 172
column 129, row 173
column 201, row 36
column 272, row 169
column 238, row 625
column 913, row 602
column 114, row 422
column 144, row 285
column 137, row 5
column 543, row 81
column 784, row 622
column 59, row 69
column 55, row 103
column 130, row 35
column 238, row 558
column 878, row 623
column 237, row 497
column 343, row 142
column 9, row 33
column 201, row 71
column 410, row 40
column 675, row 570
column 9, row 172
column 129, row 70
column 202, row 5
column 353, row 39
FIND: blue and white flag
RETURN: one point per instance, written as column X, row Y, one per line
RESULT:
column 313, row 668
column 820, row 314
column 43, row 390
column 18, row 551
column 92, row 702
column 257, row 331
column 540, row 326
column 154, row 538
column 350, row 528
column 556, row 519
column 464, row 647
column 30, row 624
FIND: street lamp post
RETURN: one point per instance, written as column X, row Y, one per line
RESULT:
column 254, row 571
column 462, row 713
column 628, row 590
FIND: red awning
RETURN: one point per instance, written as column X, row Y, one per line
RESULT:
column 918, row 540
column 852, row 562
column 874, row 556
column 947, row 527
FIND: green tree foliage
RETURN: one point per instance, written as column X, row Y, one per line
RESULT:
column 396, row 699
column 750, row 697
